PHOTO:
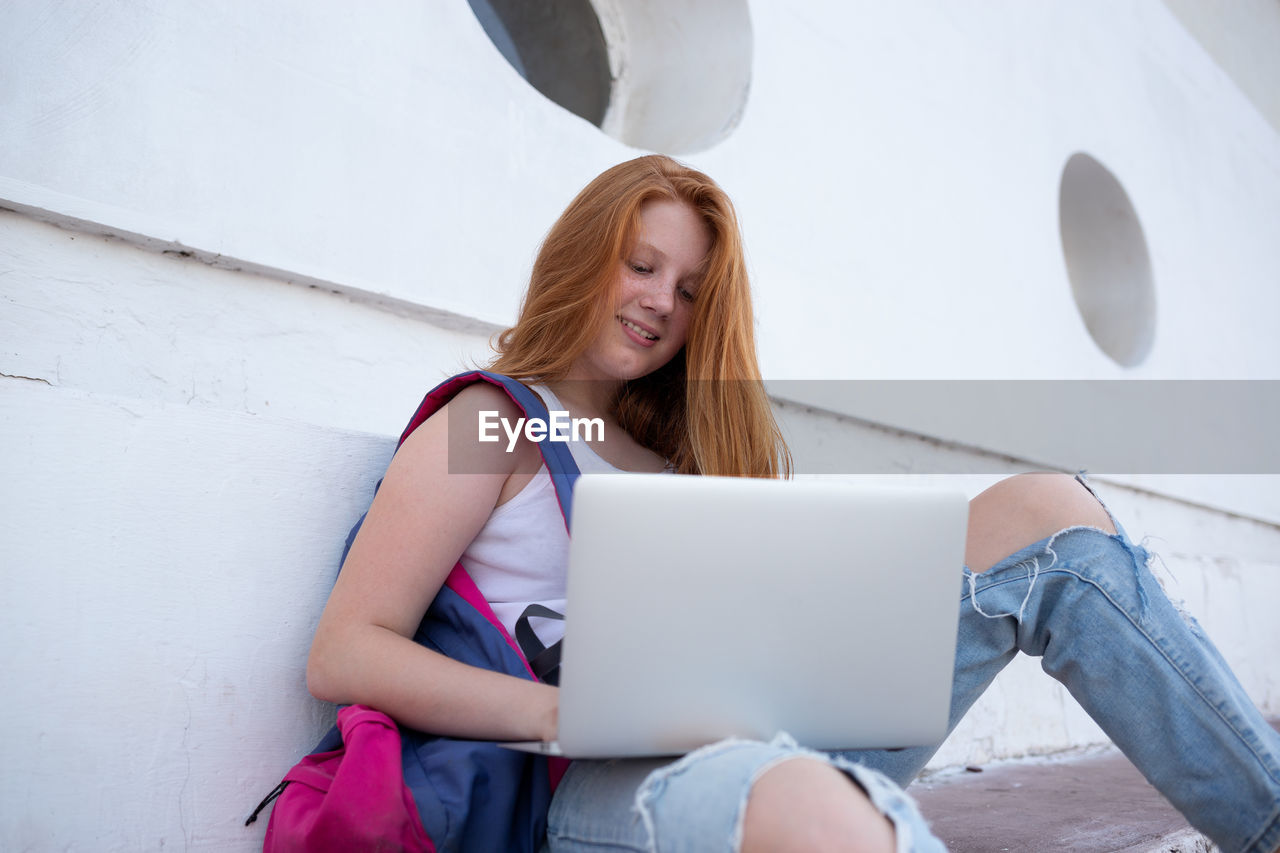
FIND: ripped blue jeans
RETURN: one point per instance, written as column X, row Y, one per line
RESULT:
column 1083, row 601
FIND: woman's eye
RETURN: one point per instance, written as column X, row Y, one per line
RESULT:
column 685, row 294
column 643, row 269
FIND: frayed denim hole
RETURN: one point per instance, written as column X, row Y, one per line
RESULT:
column 882, row 792
column 1140, row 560
column 781, row 741
column 1033, row 570
column 656, row 782
column 1082, row 477
column 886, row 796
column 1141, row 557
column 648, row 791
column 1033, row 567
column 1166, row 578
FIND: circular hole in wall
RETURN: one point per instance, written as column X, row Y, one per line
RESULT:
column 662, row 75
column 1107, row 260
column 556, row 45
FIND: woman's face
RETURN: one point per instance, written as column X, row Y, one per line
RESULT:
column 657, row 284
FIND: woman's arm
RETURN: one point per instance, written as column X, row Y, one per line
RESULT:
column 422, row 519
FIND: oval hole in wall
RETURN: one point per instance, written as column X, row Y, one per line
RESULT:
column 556, row 45
column 1107, row 260
column 662, row 75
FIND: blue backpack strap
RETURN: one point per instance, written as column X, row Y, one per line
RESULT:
column 510, row 812
column 555, row 454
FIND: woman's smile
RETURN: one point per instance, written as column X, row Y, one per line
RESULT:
column 643, row 335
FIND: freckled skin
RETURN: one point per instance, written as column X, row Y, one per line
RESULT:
column 657, row 283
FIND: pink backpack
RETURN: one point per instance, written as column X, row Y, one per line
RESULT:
column 354, row 805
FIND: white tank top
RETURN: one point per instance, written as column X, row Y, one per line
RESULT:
column 521, row 554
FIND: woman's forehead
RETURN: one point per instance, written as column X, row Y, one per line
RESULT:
column 665, row 224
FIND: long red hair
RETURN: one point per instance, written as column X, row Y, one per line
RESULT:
column 705, row 410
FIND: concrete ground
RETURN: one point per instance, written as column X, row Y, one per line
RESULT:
column 1097, row 803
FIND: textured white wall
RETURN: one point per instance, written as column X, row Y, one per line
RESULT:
column 94, row 314
column 896, row 166
column 190, row 442
column 165, row 565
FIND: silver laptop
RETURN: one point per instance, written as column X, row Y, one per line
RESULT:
column 701, row 608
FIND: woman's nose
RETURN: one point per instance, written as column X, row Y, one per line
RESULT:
column 659, row 296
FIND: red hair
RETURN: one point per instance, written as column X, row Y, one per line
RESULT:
column 705, row 410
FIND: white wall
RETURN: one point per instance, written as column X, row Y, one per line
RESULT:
column 165, row 565
column 94, row 314
column 186, row 439
column 896, row 166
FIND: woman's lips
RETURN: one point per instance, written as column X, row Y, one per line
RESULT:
column 641, row 334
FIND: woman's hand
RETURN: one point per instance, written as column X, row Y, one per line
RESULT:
column 433, row 501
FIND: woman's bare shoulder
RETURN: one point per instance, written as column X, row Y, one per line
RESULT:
column 471, row 430
column 483, row 396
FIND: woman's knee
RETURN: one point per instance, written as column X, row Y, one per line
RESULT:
column 1024, row 509
column 804, row 804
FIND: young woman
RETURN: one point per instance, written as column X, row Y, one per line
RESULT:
column 638, row 313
